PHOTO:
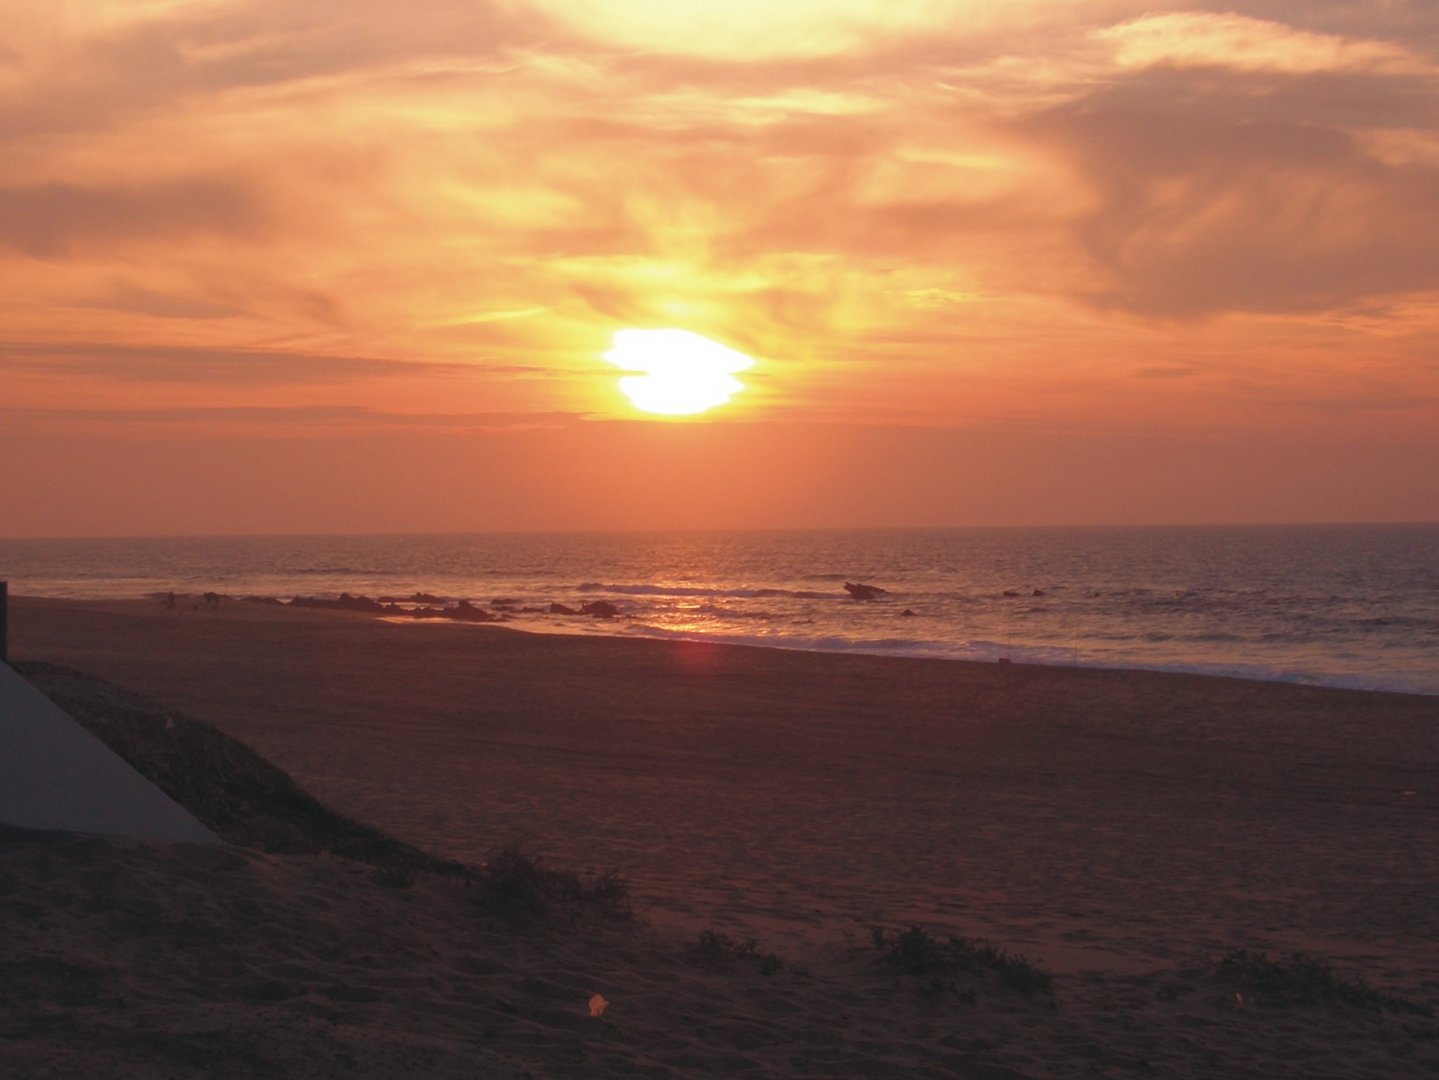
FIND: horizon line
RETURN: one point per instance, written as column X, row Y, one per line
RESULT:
column 1137, row 526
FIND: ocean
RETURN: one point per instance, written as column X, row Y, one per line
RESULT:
column 1343, row 605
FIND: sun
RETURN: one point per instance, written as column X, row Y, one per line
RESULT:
column 675, row 372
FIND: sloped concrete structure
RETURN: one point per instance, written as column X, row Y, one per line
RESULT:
column 56, row 775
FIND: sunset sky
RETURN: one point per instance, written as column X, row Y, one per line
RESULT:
column 353, row 265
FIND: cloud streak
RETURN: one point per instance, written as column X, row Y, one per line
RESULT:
column 174, row 364
column 321, row 418
column 58, row 220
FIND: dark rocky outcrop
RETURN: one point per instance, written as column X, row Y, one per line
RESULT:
column 599, row 609
column 417, row 598
column 465, row 611
column 863, row 592
column 345, row 602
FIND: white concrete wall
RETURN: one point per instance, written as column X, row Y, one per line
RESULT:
column 54, row 774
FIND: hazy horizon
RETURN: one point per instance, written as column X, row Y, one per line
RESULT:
column 1001, row 527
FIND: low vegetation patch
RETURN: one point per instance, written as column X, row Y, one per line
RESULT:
column 915, row 953
column 717, row 950
column 521, row 889
column 1299, row 979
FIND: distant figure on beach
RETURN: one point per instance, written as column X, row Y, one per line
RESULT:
column 170, row 600
column 212, row 601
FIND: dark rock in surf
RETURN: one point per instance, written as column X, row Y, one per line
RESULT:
column 417, row 598
column 863, row 592
column 465, row 611
column 345, row 602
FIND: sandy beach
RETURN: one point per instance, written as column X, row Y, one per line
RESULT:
column 1124, row 831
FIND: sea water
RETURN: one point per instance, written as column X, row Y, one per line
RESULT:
column 1343, row 605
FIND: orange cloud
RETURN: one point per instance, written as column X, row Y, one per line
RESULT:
column 1232, row 198
column 1205, row 39
column 1103, row 216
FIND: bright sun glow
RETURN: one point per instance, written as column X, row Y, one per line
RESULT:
column 679, row 372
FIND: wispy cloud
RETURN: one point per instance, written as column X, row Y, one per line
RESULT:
column 1239, row 42
column 176, row 364
column 126, row 296
column 1230, row 197
column 58, row 219
column 321, row 418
